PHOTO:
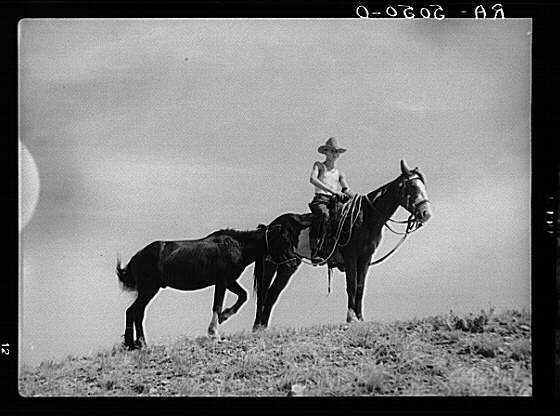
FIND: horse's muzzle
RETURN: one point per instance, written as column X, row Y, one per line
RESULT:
column 424, row 212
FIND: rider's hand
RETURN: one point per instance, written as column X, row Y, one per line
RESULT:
column 341, row 197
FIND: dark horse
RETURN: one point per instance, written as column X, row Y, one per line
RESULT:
column 218, row 259
column 407, row 190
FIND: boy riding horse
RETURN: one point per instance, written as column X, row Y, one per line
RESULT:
column 329, row 183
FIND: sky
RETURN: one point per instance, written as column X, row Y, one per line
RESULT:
column 139, row 130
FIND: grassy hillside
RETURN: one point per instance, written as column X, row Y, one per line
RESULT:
column 482, row 354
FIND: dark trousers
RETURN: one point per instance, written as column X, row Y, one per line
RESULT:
column 320, row 208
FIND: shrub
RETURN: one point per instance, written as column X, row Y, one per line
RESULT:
column 486, row 346
column 520, row 349
column 374, row 379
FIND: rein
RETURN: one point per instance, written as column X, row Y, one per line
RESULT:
column 352, row 210
column 412, row 225
column 354, row 206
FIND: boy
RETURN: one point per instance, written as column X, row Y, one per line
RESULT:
column 329, row 182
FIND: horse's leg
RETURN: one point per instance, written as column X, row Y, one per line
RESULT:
column 219, row 293
column 361, row 274
column 283, row 275
column 351, row 267
column 129, row 326
column 241, row 298
column 142, row 301
column 269, row 269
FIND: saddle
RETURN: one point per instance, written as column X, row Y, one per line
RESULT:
column 328, row 246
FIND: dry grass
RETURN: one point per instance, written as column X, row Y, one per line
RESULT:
column 484, row 354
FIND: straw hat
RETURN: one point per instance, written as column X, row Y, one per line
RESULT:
column 331, row 144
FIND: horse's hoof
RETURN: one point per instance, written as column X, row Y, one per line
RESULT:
column 213, row 334
column 259, row 328
column 351, row 317
column 129, row 347
column 139, row 344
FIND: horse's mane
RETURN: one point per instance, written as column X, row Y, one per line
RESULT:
column 373, row 195
column 237, row 234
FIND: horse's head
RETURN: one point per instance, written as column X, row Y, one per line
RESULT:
column 279, row 242
column 414, row 197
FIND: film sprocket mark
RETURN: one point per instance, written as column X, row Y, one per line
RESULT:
column 434, row 11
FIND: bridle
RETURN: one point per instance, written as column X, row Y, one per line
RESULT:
column 413, row 209
column 412, row 223
column 409, row 206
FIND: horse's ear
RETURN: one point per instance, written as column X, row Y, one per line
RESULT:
column 404, row 168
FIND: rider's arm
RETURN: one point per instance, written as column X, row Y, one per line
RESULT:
column 314, row 179
column 344, row 184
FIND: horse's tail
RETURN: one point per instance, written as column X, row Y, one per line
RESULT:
column 128, row 282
